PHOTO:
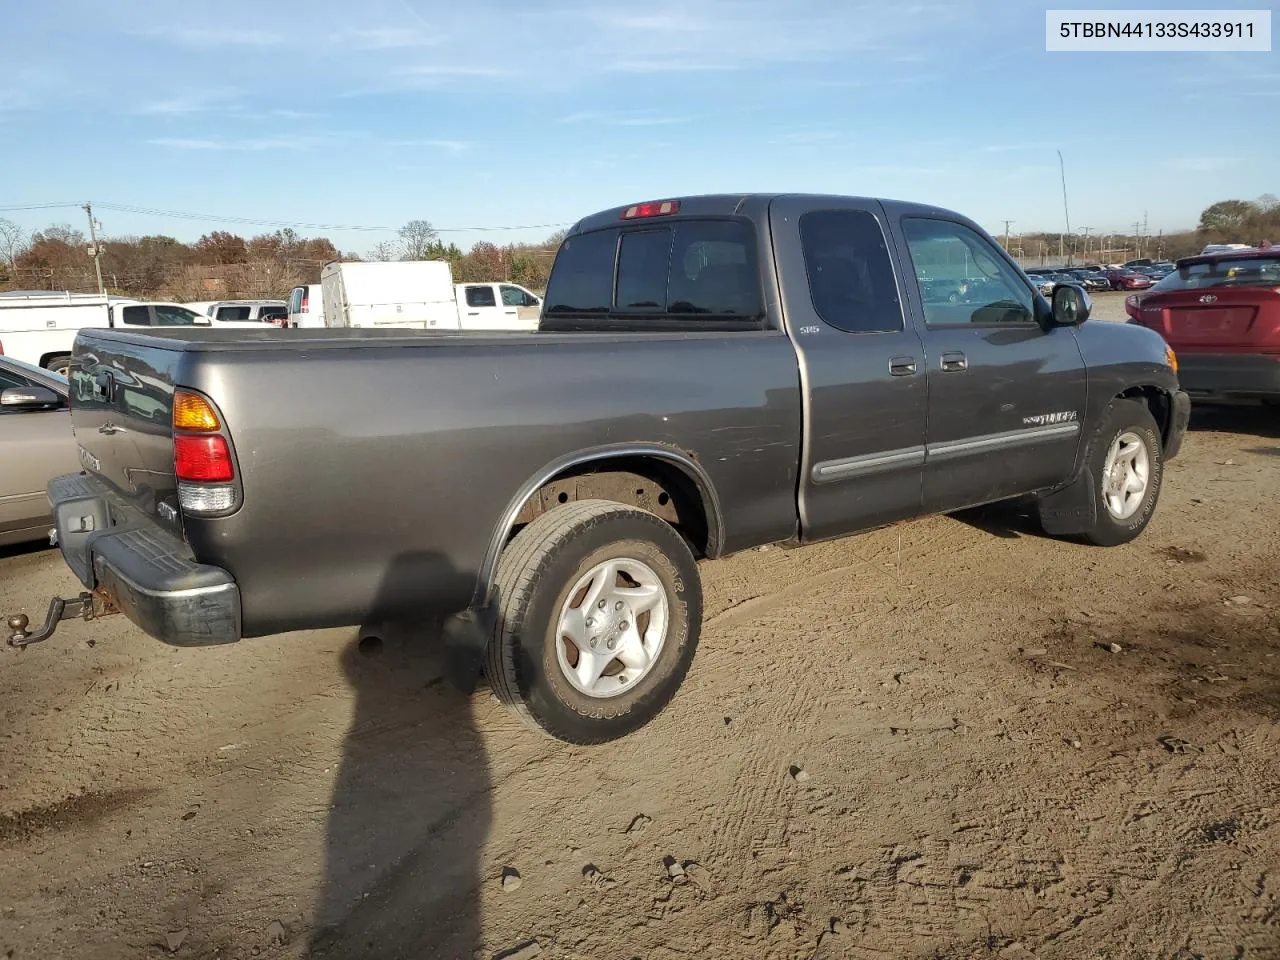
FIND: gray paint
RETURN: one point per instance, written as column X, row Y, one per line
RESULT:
column 382, row 469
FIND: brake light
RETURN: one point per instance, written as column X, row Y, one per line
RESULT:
column 303, row 307
column 193, row 412
column 658, row 208
column 204, row 459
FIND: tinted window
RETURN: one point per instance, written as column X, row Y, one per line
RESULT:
column 850, row 275
column 713, row 270
column 233, row 313
column 481, row 297
column 273, row 313
column 962, row 278
column 168, row 316
column 582, row 278
column 1237, row 272
column 8, row 380
column 642, row 271
column 138, row 316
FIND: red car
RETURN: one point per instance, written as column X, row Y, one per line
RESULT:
column 1128, row 280
column 1221, row 315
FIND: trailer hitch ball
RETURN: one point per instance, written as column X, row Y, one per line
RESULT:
column 18, row 624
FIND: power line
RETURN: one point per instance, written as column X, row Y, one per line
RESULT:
column 251, row 221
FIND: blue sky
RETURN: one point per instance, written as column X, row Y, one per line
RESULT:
column 500, row 113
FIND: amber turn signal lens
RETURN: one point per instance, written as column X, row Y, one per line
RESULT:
column 1171, row 358
column 193, row 412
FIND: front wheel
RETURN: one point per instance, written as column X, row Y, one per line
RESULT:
column 60, row 364
column 1126, row 459
column 600, row 606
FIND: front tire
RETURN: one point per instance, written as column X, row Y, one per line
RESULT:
column 600, row 607
column 1126, row 459
column 59, row 363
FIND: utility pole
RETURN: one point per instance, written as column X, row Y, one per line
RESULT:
column 1137, row 237
column 1006, row 233
column 1085, row 231
column 95, row 251
column 1062, row 168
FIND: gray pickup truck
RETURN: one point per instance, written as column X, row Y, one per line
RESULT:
column 710, row 374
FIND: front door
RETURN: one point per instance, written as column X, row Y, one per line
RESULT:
column 1006, row 387
column 861, row 365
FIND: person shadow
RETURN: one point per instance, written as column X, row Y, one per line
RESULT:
column 410, row 809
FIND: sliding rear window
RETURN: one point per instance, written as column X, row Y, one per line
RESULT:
column 684, row 273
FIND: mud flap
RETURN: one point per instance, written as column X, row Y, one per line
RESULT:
column 1071, row 510
column 465, row 636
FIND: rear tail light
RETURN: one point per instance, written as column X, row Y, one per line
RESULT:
column 204, row 459
column 659, row 208
column 303, row 306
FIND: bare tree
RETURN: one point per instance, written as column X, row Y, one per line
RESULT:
column 13, row 240
column 384, row 251
column 416, row 238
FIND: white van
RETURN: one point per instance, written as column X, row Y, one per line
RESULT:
column 40, row 327
column 248, row 314
column 306, row 306
column 421, row 294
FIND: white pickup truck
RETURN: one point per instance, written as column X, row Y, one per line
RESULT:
column 40, row 327
column 421, row 294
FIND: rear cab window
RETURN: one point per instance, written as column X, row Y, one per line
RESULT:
column 681, row 274
column 481, row 296
column 851, row 280
column 233, row 313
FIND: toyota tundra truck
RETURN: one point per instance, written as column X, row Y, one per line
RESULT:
column 709, row 374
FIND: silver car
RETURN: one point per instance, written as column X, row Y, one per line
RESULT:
column 36, row 445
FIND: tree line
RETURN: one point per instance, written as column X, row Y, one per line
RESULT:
column 224, row 265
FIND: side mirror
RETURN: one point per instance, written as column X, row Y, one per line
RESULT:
column 28, row 398
column 1071, row 305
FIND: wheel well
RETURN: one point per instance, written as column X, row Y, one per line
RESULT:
column 649, row 483
column 1157, row 402
column 52, row 355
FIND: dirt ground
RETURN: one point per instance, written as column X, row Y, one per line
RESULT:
column 915, row 743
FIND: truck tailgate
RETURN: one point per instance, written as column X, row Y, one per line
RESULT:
column 121, row 413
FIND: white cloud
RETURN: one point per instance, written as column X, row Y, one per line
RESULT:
column 216, row 36
column 620, row 119
column 387, row 38
column 456, row 70
column 276, row 143
column 449, row 146
column 195, row 101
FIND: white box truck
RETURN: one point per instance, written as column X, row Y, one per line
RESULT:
column 40, row 326
column 421, row 294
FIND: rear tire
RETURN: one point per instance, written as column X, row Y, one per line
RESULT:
column 59, row 363
column 1126, row 459
column 576, row 564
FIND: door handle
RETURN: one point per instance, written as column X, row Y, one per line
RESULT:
column 902, row 366
column 952, row 362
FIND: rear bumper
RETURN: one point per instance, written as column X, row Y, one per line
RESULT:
column 1228, row 375
column 148, row 573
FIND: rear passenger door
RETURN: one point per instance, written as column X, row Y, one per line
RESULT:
column 1006, row 387
column 480, row 310
column 861, row 365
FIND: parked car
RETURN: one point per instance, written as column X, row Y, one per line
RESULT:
column 1221, row 312
column 37, row 445
column 40, row 326
column 710, row 374
column 306, row 306
column 246, row 314
column 1042, row 282
column 1123, row 279
column 421, row 294
column 1091, row 279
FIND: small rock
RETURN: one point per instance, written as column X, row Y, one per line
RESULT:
column 1238, row 601
column 674, row 870
column 276, row 932
column 698, row 875
column 1110, row 647
column 525, row 951
column 191, row 812
column 175, row 939
column 638, row 823
column 765, row 549
column 511, row 879
column 1226, row 463
column 799, row 774
column 1034, row 651
column 593, row 875
column 1074, row 743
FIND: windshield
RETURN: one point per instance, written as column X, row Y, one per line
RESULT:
column 1250, row 272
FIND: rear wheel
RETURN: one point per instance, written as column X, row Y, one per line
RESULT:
column 59, row 363
column 1126, row 459
column 600, row 606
